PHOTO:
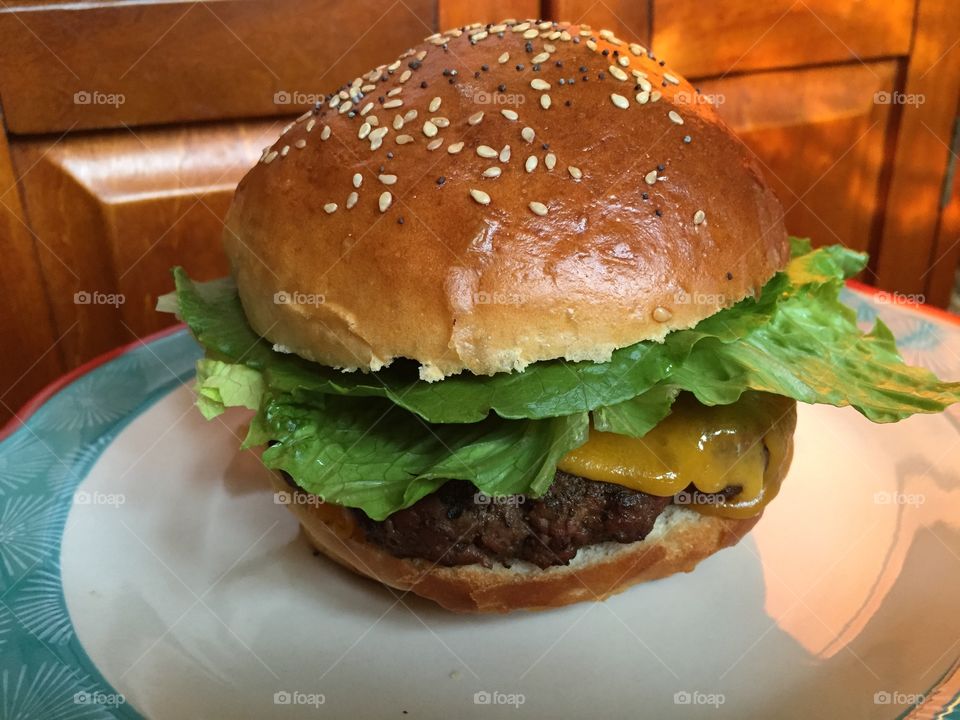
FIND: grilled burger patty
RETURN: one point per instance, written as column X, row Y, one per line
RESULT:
column 457, row 526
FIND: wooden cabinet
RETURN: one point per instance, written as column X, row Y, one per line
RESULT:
column 126, row 127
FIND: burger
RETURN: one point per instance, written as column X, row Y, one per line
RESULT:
column 520, row 323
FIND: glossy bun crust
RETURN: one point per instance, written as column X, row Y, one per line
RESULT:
column 615, row 208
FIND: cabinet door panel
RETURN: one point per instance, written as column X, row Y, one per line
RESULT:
column 456, row 13
column 820, row 135
column 116, row 210
column 98, row 65
column 726, row 36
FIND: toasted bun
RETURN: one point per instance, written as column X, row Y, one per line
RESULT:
column 350, row 251
column 680, row 539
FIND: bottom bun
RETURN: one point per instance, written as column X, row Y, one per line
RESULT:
column 680, row 539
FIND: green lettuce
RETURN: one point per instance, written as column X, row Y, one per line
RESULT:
column 381, row 441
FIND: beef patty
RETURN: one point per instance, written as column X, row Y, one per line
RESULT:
column 454, row 526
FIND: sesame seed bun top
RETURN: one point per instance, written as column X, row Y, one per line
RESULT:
column 497, row 196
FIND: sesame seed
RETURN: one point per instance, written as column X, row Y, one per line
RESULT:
column 480, row 196
column 675, row 117
column 485, row 151
column 435, row 104
column 475, row 118
column 618, row 73
column 699, row 217
column 398, row 122
column 650, row 178
column 521, row 27
column 574, row 172
column 395, row 92
column 345, row 107
column 620, row 101
column 357, row 180
column 330, row 208
column 405, row 76
column 643, row 97
column 492, row 172
column 545, row 101
column 644, row 84
column 325, row 133
column 540, row 58
column 410, row 115
column 352, row 200
column 364, row 131
column 538, row 208
column 300, row 144
column 661, row 314
column 624, row 61
column 455, row 148
column 284, row 150
column 287, row 128
column 404, row 139
column 434, row 144
column 592, row 45
column 387, row 179
column 270, row 157
column 655, row 95
column 531, row 164
column 390, row 104
column 429, row 129
column 509, row 114
column 530, row 34
column 670, row 79
column 550, row 160
column 366, row 108
column 528, row 134
column 503, row 58
column 310, row 124
column 386, row 199
column 538, row 84
column 505, row 154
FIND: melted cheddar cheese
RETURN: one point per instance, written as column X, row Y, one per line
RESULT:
column 743, row 445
